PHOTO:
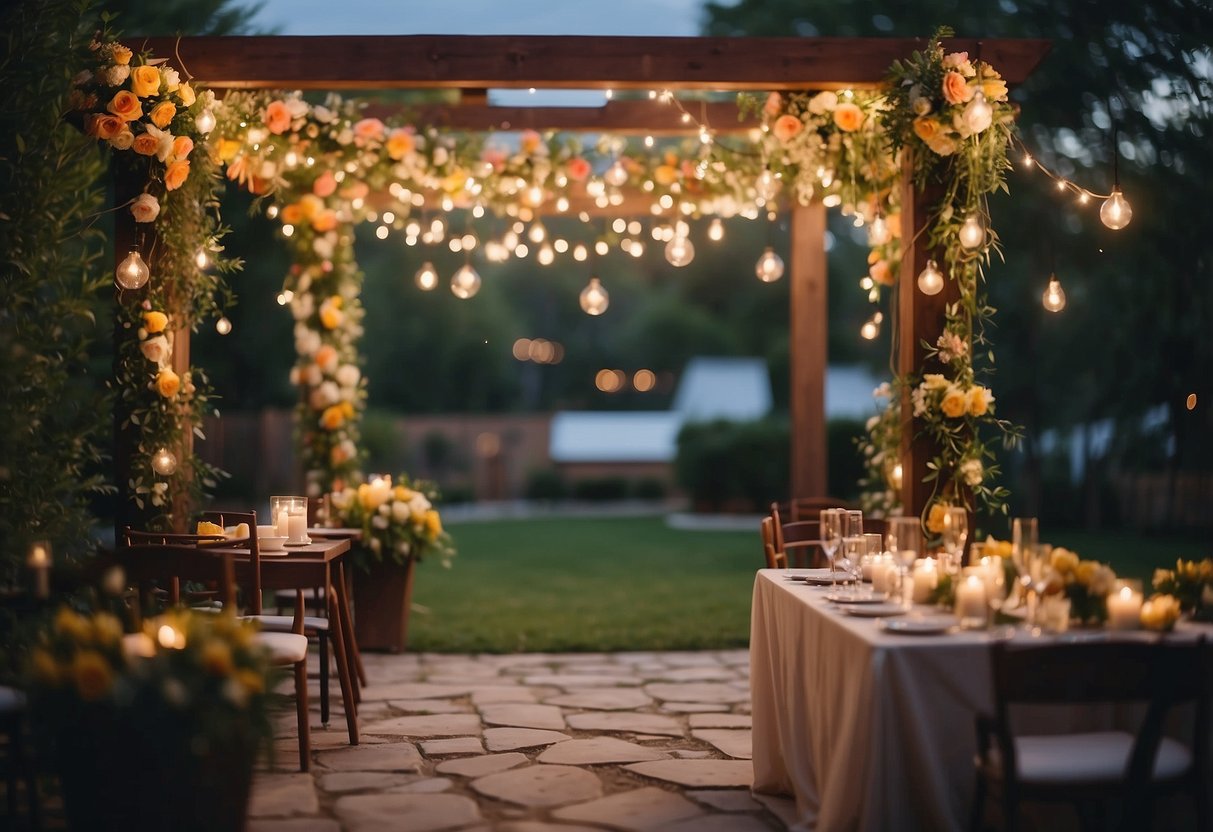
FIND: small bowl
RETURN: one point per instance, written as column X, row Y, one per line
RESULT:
column 268, row 539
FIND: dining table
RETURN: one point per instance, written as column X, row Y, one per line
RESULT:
column 870, row 729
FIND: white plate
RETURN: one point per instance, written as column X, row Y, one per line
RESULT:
column 822, row 577
column 875, row 610
column 853, row 598
column 297, row 545
column 919, row 625
column 274, row 553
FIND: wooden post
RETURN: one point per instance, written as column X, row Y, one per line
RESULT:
column 920, row 318
column 808, row 348
column 126, row 187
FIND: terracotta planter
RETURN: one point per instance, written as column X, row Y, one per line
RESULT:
column 382, row 597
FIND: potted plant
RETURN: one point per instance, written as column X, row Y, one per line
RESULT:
column 152, row 730
column 400, row 527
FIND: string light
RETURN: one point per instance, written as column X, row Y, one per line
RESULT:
column 465, row 283
column 716, row 230
column 594, row 298
column 426, row 277
column 972, row 233
column 223, row 326
column 769, row 267
column 1116, row 212
column 616, row 175
column 164, row 462
column 1054, row 298
column 871, row 327
column 201, row 260
column 205, row 122
column 132, row 272
column 679, row 251
column 930, row 280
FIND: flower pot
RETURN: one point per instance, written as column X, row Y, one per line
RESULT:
column 125, row 774
column 382, row 597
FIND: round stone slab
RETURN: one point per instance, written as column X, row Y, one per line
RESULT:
column 540, row 785
column 698, row 773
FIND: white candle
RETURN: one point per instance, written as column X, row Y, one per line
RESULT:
column 297, row 528
column 283, row 523
column 884, row 574
column 1124, row 609
column 926, row 578
column 971, row 600
column 40, row 562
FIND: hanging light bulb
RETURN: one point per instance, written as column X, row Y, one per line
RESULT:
column 1054, row 298
column 205, row 122
column 426, row 277
column 895, row 475
column 1116, row 211
column 869, row 330
column 164, row 462
column 930, row 280
column 594, row 299
column 716, row 230
column 878, row 231
column 766, row 186
column 972, row 233
column 465, row 283
column 769, row 267
column 616, row 175
column 538, row 233
column 223, row 326
column 679, row 251
column 534, row 196
column 132, row 272
column 201, row 260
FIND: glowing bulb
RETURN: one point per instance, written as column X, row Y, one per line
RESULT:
column 716, row 230
column 895, row 476
column 580, row 253
column 201, row 260
column 1116, row 211
column 930, row 280
column 766, row 186
column 223, row 326
column 616, row 175
column 546, row 256
column 170, row 637
column 594, row 299
column 869, row 330
column 769, row 267
column 679, row 251
column 132, row 272
column 1054, row 298
column 426, row 277
column 465, row 283
column 538, row 233
column 972, row 233
column 878, row 232
column 534, row 196
column 164, row 462
column 205, row 122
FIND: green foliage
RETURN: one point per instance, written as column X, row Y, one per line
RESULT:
column 600, row 489
column 545, row 484
column 725, row 465
column 184, row 17
column 54, row 413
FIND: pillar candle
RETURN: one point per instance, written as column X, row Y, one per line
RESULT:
column 297, row 528
column 926, row 577
column 1124, row 609
column 971, row 599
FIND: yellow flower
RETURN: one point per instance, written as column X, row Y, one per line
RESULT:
column 92, row 674
column 45, row 669
column 1001, row 548
column 217, row 658
column 954, row 403
column 72, row 625
column 162, row 114
column 186, row 93
column 433, row 523
column 400, row 143
column 121, row 54
column 403, row 494
column 926, row 128
column 154, row 322
column 207, row 527
column 125, row 105
column 666, row 175
column 848, row 117
column 176, row 174
column 934, row 381
column 228, row 148
column 145, row 81
column 332, row 418
column 1160, row 613
column 106, row 630
column 330, row 312
column 980, row 399
column 251, row 680
column 1063, row 560
column 935, row 518
column 167, row 383
column 1084, row 571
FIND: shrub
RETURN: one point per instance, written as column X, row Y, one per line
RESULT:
column 650, row 488
column 600, row 489
column 546, row 484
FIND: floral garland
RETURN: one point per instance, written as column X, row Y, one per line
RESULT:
column 154, row 121
column 952, row 114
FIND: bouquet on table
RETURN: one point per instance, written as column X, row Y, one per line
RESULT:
column 398, row 521
column 1191, row 584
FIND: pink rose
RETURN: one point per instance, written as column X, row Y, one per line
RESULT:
column 145, row 208
column 368, row 129
column 773, row 104
column 787, row 128
column 277, row 117
column 324, row 185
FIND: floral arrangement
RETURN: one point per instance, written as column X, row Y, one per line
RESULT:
column 1085, row 582
column 952, row 114
column 1160, row 613
column 1190, row 583
column 156, row 124
column 398, row 521
column 188, row 681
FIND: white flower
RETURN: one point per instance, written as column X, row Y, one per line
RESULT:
column 400, row 511
column 159, row 492
column 823, row 102
column 170, row 78
column 972, row 471
column 345, row 136
column 156, row 349
column 418, row 505
column 872, row 422
column 256, row 135
column 307, row 341
column 116, row 75
column 323, row 247
column 297, row 107
column 385, row 509
column 379, row 521
column 403, row 547
column 164, row 141
column 1102, row 581
column 376, row 543
column 321, row 113
column 921, row 106
column 977, row 115
column 348, row 375
column 145, row 208
column 302, row 306
column 312, row 375
column 82, row 77
column 323, row 395
column 440, row 156
column 268, row 170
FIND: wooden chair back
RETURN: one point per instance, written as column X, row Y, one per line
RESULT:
column 809, row 508
column 776, row 558
column 252, row 575
column 802, row 543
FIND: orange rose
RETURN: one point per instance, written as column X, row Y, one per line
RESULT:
column 146, row 144
column 120, row 54
column 186, row 93
column 881, row 273
column 145, row 81
column 125, row 105
column 182, row 146
column 400, row 143
column 162, row 114
column 324, row 221
column 954, row 403
column 167, row 383
column 277, row 117
column 105, row 126
column 787, row 127
column 774, row 104
column 155, row 321
column 292, row 214
column 325, row 184
column 956, row 89
column 848, row 117
column 326, row 358
column 228, row 148
column 935, row 518
column 666, row 175
column 176, row 174
column 926, row 128
column 332, row 418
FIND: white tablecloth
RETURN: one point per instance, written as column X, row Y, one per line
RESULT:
column 867, row 730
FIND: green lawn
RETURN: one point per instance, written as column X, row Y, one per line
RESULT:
column 634, row 584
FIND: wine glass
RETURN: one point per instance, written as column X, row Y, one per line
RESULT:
column 853, row 549
column 955, row 533
column 831, row 536
column 905, row 542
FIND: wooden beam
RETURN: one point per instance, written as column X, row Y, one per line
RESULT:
column 636, row 117
column 559, row 62
column 808, row 345
column 920, row 318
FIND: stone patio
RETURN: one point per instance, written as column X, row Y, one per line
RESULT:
column 527, row 743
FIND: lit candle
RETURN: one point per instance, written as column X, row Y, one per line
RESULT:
column 971, row 601
column 283, row 523
column 884, row 574
column 297, row 528
column 40, row 562
column 926, row 578
column 1124, row 609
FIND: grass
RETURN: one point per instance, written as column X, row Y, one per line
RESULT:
column 632, row 583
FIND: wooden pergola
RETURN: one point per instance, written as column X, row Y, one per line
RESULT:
column 472, row 65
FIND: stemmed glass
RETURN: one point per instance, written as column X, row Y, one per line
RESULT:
column 831, row 535
column 955, row 533
column 905, row 542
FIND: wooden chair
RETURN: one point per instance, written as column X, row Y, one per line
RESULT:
column 809, row 508
column 776, row 558
column 798, row 541
column 153, row 557
column 1136, row 767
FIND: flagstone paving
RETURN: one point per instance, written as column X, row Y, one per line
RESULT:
column 630, row 742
